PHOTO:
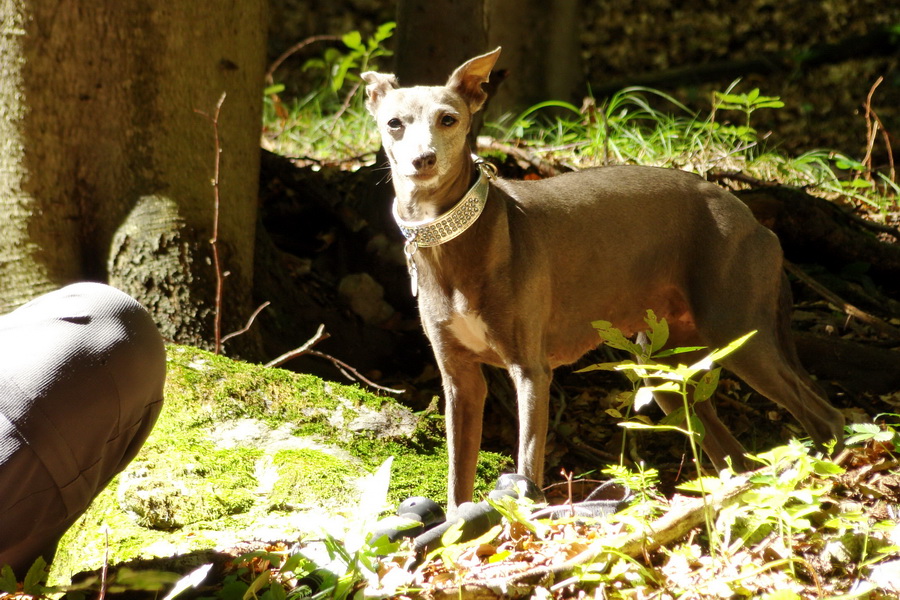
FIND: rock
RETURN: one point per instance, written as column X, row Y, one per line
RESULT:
column 365, row 297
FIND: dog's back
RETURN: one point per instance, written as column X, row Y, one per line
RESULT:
column 616, row 238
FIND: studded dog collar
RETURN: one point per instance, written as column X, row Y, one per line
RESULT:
column 451, row 224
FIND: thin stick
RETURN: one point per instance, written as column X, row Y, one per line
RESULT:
column 345, row 105
column 214, row 242
column 315, row 339
column 104, row 572
column 249, row 323
column 873, row 124
column 545, row 168
column 346, row 369
column 871, row 128
column 296, row 48
column 850, row 310
column 354, row 374
column 570, row 500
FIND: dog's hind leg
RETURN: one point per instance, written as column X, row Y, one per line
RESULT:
column 768, row 361
column 762, row 363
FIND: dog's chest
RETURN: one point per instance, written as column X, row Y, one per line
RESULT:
column 471, row 331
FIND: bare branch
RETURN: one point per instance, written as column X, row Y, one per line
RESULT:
column 353, row 373
column 296, row 48
column 878, row 324
column 344, row 368
column 214, row 242
column 249, row 322
column 315, row 339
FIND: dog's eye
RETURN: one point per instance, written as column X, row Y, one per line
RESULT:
column 395, row 123
column 448, row 120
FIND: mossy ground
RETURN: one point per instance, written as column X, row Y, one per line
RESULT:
column 244, row 452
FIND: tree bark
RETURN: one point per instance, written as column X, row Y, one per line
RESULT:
column 106, row 168
column 435, row 36
column 541, row 51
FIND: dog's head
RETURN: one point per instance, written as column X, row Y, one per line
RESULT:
column 424, row 129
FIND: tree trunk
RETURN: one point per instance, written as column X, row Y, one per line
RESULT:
column 435, row 36
column 541, row 51
column 106, row 167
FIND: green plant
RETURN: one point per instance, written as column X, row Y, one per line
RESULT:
column 32, row 585
column 629, row 127
column 786, row 495
column 746, row 103
column 694, row 383
column 341, row 67
column 873, row 432
column 330, row 122
column 643, row 481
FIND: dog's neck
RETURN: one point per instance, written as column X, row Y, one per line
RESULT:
column 418, row 202
column 442, row 212
column 452, row 222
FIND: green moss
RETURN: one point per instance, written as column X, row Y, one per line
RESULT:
column 214, row 388
column 306, row 477
column 175, row 486
column 241, row 450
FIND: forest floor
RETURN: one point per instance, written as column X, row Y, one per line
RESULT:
column 801, row 526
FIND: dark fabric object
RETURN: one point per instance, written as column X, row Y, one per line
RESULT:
column 81, row 385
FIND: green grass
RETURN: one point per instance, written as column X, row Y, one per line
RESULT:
column 635, row 126
column 317, row 129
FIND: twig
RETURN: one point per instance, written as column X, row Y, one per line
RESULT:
column 345, row 105
column 315, row 339
column 717, row 175
column 214, row 242
column 873, row 124
column 545, row 168
column 301, row 159
column 570, row 500
column 354, row 374
column 249, row 323
column 104, row 572
column 296, row 48
column 848, row 309
column 871, row 129
column 343, row 367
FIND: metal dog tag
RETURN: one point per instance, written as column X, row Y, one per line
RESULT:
column 413, row 278
column 410, row 248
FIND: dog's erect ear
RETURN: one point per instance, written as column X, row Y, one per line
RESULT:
column 377, row 86
column 468, row 78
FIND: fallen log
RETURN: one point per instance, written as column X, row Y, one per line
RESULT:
column 857, row 368
column 814, row 230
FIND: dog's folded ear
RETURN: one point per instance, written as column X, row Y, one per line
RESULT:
column 377, row 86
column 469, row 77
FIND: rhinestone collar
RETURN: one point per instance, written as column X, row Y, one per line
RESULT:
column 454, row 222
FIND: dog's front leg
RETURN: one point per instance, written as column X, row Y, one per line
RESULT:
column 464, row 392
column 533, row 396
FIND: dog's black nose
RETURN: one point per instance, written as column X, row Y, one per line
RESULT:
column 424, row 161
